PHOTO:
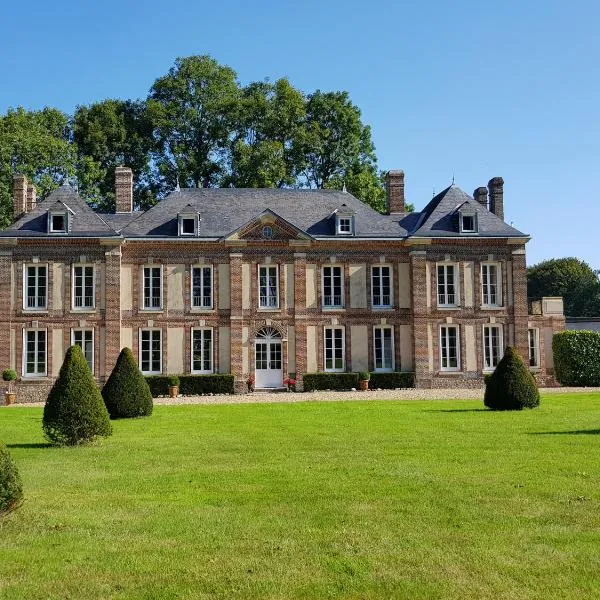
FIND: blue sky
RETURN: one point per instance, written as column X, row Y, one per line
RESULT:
column 472, row 89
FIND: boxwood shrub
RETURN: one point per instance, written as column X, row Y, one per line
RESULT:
column 192, row 385
column 577, row 357
column 391, row 381
column 330, row 381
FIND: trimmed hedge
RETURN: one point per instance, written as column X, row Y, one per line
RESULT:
column 391, row 381
column 11, row 489
column 192, row 385
column 330, row 381
column 577, row 358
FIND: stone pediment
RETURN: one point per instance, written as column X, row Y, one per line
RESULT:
column 268, row 226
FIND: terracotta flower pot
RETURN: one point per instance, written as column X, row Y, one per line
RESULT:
column 363, row 384
column 173, row 391
column 10, row 398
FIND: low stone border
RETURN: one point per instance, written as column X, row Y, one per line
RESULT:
column 325, row 396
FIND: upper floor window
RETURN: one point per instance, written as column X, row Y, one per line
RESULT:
column 334, row 349
column 202, row 350
column 468, row 223
column 35, row 353
column 492, row 346
column 345, row 225
column 381, row 286
column 449, row 348
column 150, row 351
column 83, row 287
column 188, row 224
column 202, row 296
column 534, row 347
column 58, row 222
column 383, row 348
column 491, row 284
column 35, row 286
column 333, row 288
column 268, row 287
column 84, row 338
column 152, row 287
column 447, row 285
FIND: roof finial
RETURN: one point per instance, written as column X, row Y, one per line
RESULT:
column 433, row 195
column 177, row 188
column 344, row 188
column 452, row 177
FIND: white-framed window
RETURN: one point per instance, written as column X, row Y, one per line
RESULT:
column 35, row 353
column 533, row 336
column 492, row 346
column 84, row 338
column 447, row 284
column 268, row 286
column 334, row 349
column 491, row 284
column 151, row 351
column 383, row 347
column 187, row 226
column 449, row 348
column 84, row 287
column 35, row 287
column 381, row 286
column 468, row 223
column 57, row 222
column 202, row 350
column 152, row 287
column 202, row 287
column 267, row 232
column 333, row 286
column 344, row 225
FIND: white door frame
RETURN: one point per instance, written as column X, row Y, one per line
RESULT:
column 268, row 353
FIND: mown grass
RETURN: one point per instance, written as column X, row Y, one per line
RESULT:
column 313, row 500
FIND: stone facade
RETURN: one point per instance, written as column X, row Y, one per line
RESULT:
column 297, row 317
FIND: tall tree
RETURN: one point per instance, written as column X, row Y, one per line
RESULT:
column 108, row 134
column 36, row 144
column 571, row 278
column 265, row 150
column 193, row 111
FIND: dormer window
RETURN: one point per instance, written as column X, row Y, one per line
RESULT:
column 188, row 224
column 57, row 222
column 344, row 225
column 468, row 222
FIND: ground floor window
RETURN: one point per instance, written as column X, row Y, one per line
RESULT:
column 449, row 348
column 151, row 351
column 84, row 338
column 492, row 346
column 534, row 347
column 35, row 353
column 383, row 348
column 334, row 349
column 202, row 350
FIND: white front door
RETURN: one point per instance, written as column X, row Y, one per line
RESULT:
column 268, row 372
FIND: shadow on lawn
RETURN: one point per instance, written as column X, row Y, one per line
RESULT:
column 38, row 445
column 575, row 432
column 458, row 410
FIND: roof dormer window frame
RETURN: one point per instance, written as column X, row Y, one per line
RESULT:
column 51, row 223
column 181, row 218
column 471, row 216
column 344, row 224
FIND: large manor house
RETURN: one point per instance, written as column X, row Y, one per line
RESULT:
column 268, row 283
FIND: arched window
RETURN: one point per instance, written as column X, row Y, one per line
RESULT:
column 268, row 333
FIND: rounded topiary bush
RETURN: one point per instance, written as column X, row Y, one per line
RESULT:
column 11, row 490
column 126, row 393
column 511, row 386
column 74, row 411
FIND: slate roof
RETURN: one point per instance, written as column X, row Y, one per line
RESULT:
column 224, row 210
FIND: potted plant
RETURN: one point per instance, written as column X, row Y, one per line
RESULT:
column 173, row 386
column 363, row 380
column 290, row 382
column 250, row 383
column 10, row 375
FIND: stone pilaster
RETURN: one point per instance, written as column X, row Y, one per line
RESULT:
column 418, row 259
column 300, row 316
column 237, row 322
column 520, row 309
column 112, row 318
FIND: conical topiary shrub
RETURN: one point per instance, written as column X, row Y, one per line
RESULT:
column 126, row 393
column 74, row 411
column 511, row 386
column 11, row 490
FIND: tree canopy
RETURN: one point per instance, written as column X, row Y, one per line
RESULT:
column 197, row 127
column 571, row 278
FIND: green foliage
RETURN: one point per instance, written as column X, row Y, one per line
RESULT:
column 511, row 386
column 192, row 385
column 392, row 381
column 330, row 381
column 74, row 412
column 126, row 392
column 174, row 381
column 364, row 376
column 11, row 489
column 577, row 357
column 571, row 278
column 9, row 375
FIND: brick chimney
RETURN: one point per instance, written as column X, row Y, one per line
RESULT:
column 124, row 189
column 19, row 196
column 496, row 188
column 394, row 186
column 31, row 199
column 481, row 196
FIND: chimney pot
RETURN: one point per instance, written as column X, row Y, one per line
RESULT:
column 496, row 189
column 394, row 185
column 481, row 196
column 19, row 196
column 123, row 190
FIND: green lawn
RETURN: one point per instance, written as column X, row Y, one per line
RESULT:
column 312, row 500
